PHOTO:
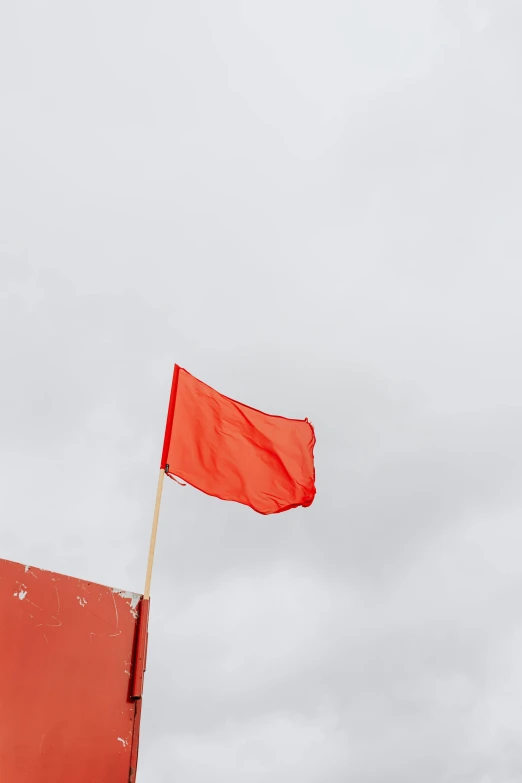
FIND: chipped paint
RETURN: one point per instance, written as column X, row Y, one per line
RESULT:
column 21, row 595
column 123, row 742
column 82, row 601
column 133, row 599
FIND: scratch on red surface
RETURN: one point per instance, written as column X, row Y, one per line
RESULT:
column 116, row 610
column 52, row 625
column 57, row 598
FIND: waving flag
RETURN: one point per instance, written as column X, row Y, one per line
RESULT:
column 234, row 452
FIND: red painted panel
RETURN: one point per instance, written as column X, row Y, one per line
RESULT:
column 66, row 661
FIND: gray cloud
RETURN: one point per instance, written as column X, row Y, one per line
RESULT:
column 314, row 207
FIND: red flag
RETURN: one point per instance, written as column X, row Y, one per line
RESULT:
column 235, row 452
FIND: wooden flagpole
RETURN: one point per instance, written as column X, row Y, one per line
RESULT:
column 153, row 535
column 141, row 645
column 163, row 468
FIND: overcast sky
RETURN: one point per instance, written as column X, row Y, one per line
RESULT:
column 314, row 206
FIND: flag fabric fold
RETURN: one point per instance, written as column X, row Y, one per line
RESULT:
column 234, row 452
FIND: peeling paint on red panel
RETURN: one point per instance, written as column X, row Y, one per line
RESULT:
column 66, row 660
